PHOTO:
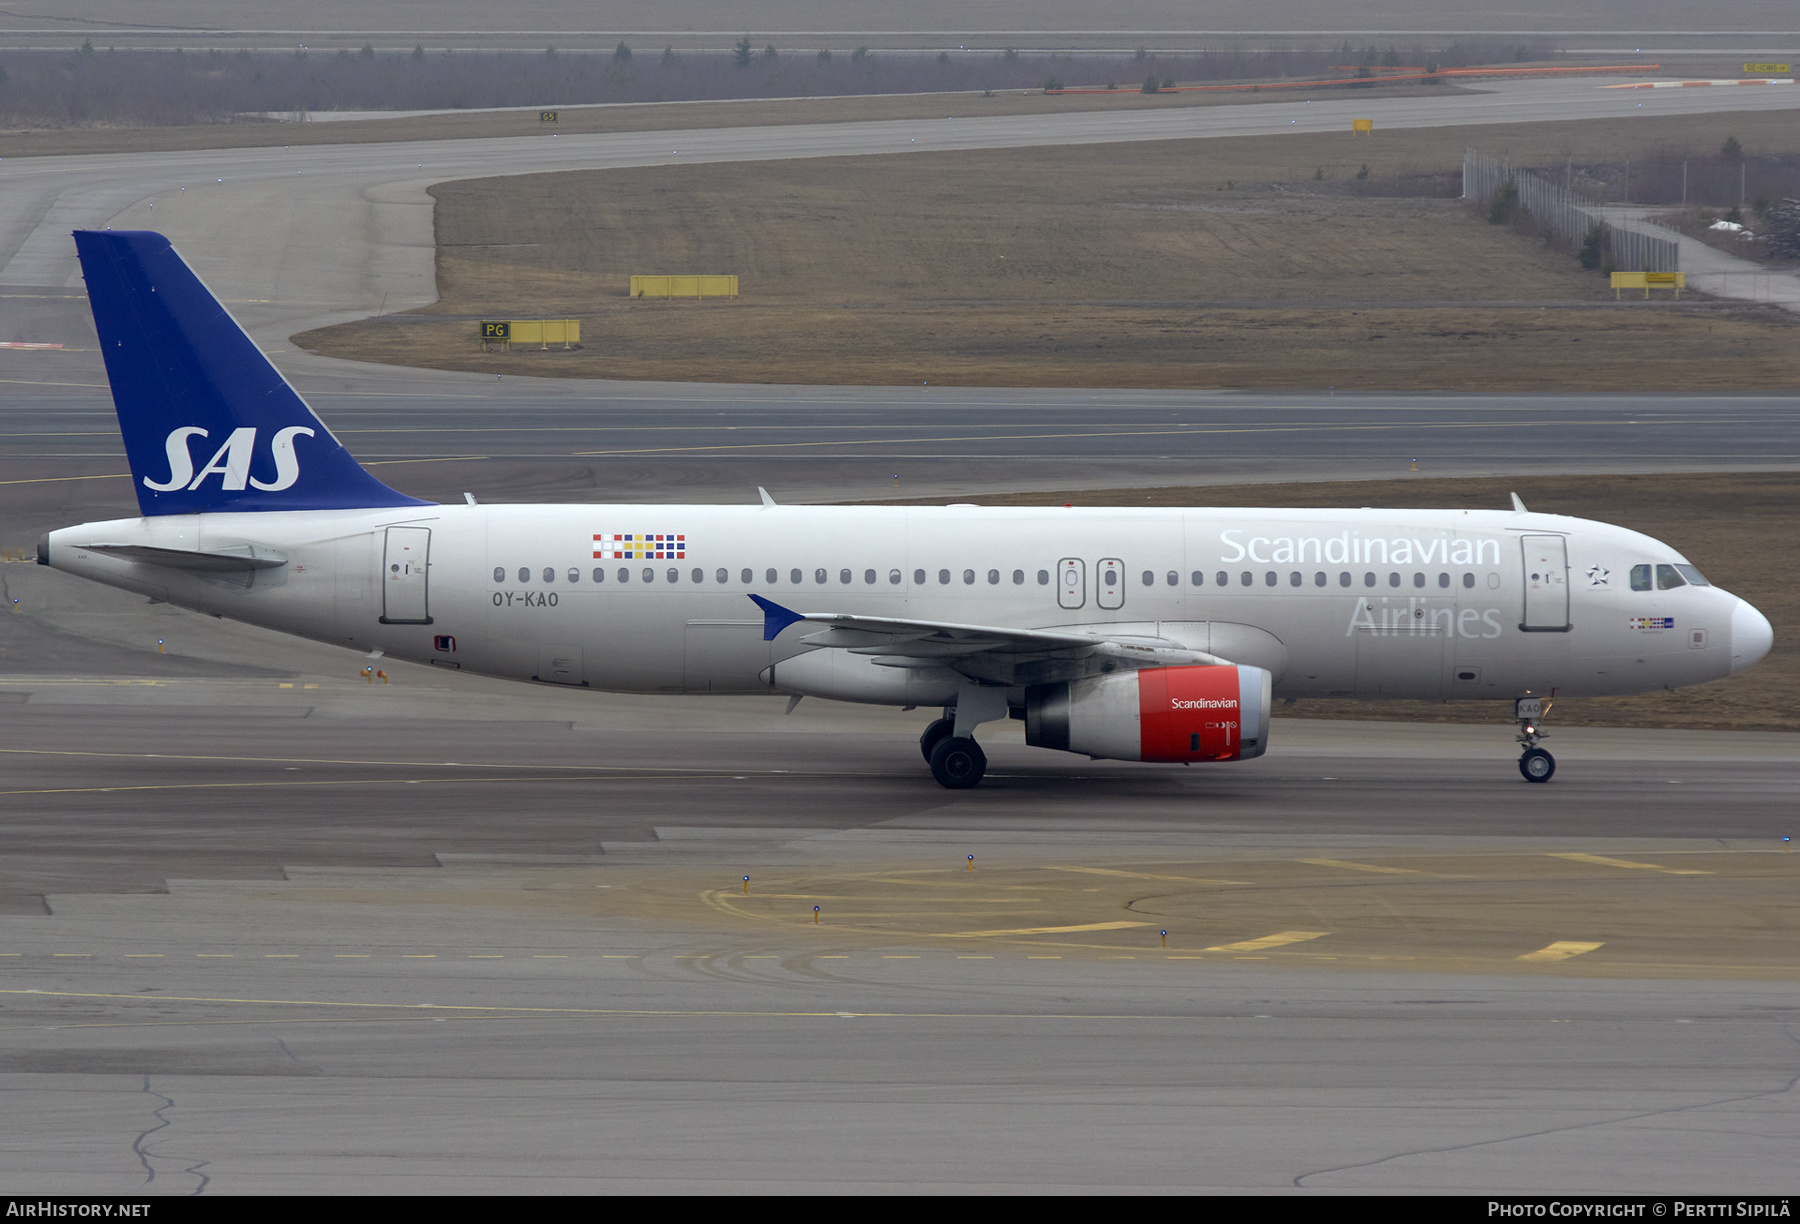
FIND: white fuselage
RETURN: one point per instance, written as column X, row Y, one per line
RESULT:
column 1433, row 604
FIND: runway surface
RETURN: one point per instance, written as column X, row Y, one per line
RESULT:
column 512, row 949
column 536, row 440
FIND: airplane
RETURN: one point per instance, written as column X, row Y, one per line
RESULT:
column 1160, row 635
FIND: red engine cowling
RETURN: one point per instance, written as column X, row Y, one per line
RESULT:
column 1158, row 714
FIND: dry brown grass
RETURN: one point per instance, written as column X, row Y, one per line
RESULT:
column 1217, row 263
column 1737, row 527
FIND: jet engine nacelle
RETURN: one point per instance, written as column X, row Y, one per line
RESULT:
column 1157, row 714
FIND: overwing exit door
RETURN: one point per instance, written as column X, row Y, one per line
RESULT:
column 1109, row 583
column 1071, row 582
column 405, row 566
column 1546, row 584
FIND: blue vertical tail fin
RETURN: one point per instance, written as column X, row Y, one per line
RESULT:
column 209, row 423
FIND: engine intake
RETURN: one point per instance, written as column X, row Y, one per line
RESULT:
column 1157, row 714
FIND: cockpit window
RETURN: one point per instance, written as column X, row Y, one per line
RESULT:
column 1667, row 579
column 1640, row 578
column 1692, row 575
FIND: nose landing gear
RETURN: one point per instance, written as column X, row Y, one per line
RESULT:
column 1535, row 764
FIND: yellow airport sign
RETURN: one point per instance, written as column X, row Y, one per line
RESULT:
column 1362, row 125
column 1648, row 281
column 1766, row 67
column 565, row 333
column 684, row 286
column 547, row 116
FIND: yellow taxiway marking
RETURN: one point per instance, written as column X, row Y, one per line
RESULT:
column 1603, row 861
column 1269, row 941
column 1561, row 950
column 1050, row 930
column 834, row 957
column 1360, row 866
column 1140, row 875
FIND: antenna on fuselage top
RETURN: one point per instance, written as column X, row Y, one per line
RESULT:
column 1519, row 506
column 764, row 494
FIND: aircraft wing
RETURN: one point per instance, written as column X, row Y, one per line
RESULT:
column 990, row 653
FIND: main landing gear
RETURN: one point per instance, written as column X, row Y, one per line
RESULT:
column 957, row 761
column 1535, row 764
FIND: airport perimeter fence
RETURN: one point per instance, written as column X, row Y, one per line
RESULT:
column 1571, row 217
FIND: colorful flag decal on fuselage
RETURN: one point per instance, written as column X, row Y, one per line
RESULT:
column 1653, row 622
column 609, row 546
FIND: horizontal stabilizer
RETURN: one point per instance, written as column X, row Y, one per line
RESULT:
column 231, row 559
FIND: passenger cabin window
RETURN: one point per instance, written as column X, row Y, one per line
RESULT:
column 993, row 577
column 624, row 574
column 1149, row 578
column 1222, row 577
column 549, row 574
column 918, row 577
column 1018, row 577
column 1469, row 581
column 844, row 577
column 499, row 574
column 650, row 574
column 674, row 575
column 1344, row 579
column 1043, row 577
column 524, row 574
column 968, row 577
column 869, row 577
column 1247, row 578
column 893, row 577
column 819, row 576
column 1319, row 579
column 574, row 575
column 794, row 577
column 943, row 577
column 724, row 576
column 599, row 574
column 745, row 577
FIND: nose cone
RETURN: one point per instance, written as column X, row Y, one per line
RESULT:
column 1751, row 636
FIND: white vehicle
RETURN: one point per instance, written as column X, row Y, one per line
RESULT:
column 1153, row 635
